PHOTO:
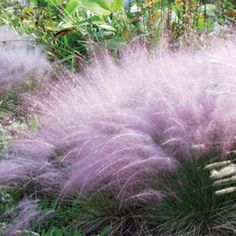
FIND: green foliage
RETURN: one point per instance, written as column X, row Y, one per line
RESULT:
column 8, row 115
column 4, row 140
column 117, row 5
column 53, row 231
column 70, row 29
column 96, row 6
column 95, row 214
column 12, row 117
column 8, row 103
column 191, row 206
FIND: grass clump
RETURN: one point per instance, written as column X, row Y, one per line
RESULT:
column 191, row 206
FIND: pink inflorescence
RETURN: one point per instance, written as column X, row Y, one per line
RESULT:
column 20, row 61
column 124, row 122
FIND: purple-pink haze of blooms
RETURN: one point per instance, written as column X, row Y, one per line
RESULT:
column 20, row 61
column 121, row 123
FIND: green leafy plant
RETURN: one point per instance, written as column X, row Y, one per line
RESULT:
column 71, row 28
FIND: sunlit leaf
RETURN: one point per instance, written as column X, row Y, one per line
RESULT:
column 117, row 5
column 97, row 6
column 72, row 6
column 107, row 27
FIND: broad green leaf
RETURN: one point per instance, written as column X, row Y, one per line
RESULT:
column 71, row 6
column 97, row 6
column 117, row 5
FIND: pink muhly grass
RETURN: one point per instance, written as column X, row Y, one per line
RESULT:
column 26, row 215
column 122, row 123
column 19, row 60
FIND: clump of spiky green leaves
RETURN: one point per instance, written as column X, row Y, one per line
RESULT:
column 94, row 214
column 189, row 206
